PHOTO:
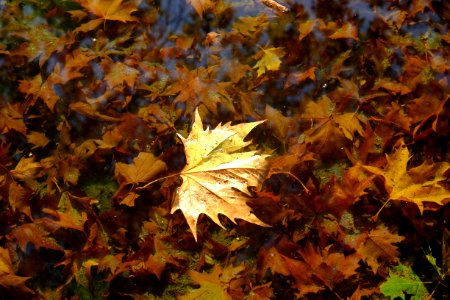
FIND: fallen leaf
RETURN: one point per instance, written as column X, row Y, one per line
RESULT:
column 269, row 60
column 348, row 31
column 200, row 5
column 26, row 169
column 35, row 234
column 400, row 185
column 218, row 173
column 8, row 277
column 144, row 167
column 306, row 28
column 376, row 247
column 107, row 10
column 213, row 285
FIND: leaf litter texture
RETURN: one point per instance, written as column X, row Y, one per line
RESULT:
column 342, row 97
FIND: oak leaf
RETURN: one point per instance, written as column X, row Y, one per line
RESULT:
column 401, row 184
column 218, row 173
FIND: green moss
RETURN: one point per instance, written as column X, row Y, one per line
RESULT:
column 101, row 188
column 179, row 287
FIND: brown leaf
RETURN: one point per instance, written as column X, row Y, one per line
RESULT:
column 376, row 247
column 19, row 199
column 8, row 277
column 34, row 234
column 299, row 77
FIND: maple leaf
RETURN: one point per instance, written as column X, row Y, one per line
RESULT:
column 200, row 5
column 214, row 285
column 8, row 277
column 26, row 169
column 143, row 168
column 35, row 234
column 376, row 247
column 118, row 73
column 68, row 216
column 36, row 89
column 107, row 10
column 269, row 60
column 402, row 185
column 217, row 175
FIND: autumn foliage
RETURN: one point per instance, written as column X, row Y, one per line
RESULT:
column 213, row 149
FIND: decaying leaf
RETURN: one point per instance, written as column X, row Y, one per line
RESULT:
column 218, row 173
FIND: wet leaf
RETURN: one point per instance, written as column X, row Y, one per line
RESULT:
column 218, row 173
column 269, row 60
column 400, row 185
column 145, row 166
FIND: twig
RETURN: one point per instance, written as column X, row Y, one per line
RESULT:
column 275, row 5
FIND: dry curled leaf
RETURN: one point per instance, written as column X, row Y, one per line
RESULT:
column 218, row 173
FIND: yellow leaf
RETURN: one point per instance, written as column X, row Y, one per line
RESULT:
column 269, row 61
column 218, row 173
column 349, row 123
column 26, row 169
column 402, row 186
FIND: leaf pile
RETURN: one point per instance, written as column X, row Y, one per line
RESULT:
column 324, row 175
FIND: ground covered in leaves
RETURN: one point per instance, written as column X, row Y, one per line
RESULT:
column 355, row 96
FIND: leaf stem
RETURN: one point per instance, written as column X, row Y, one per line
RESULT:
column 153, row 181
column 293, row 176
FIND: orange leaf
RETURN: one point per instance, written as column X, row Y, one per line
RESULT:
column 306, row 28
column 34, row 234
column 376, row 247
column 111, row 10
column 400, row 185
column 144, row 167
column 348, row 31
column 8, row 278
column 200, row 5
column 26, row 169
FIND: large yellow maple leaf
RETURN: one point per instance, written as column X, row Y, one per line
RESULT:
column 218, row 173
column 417, row 185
